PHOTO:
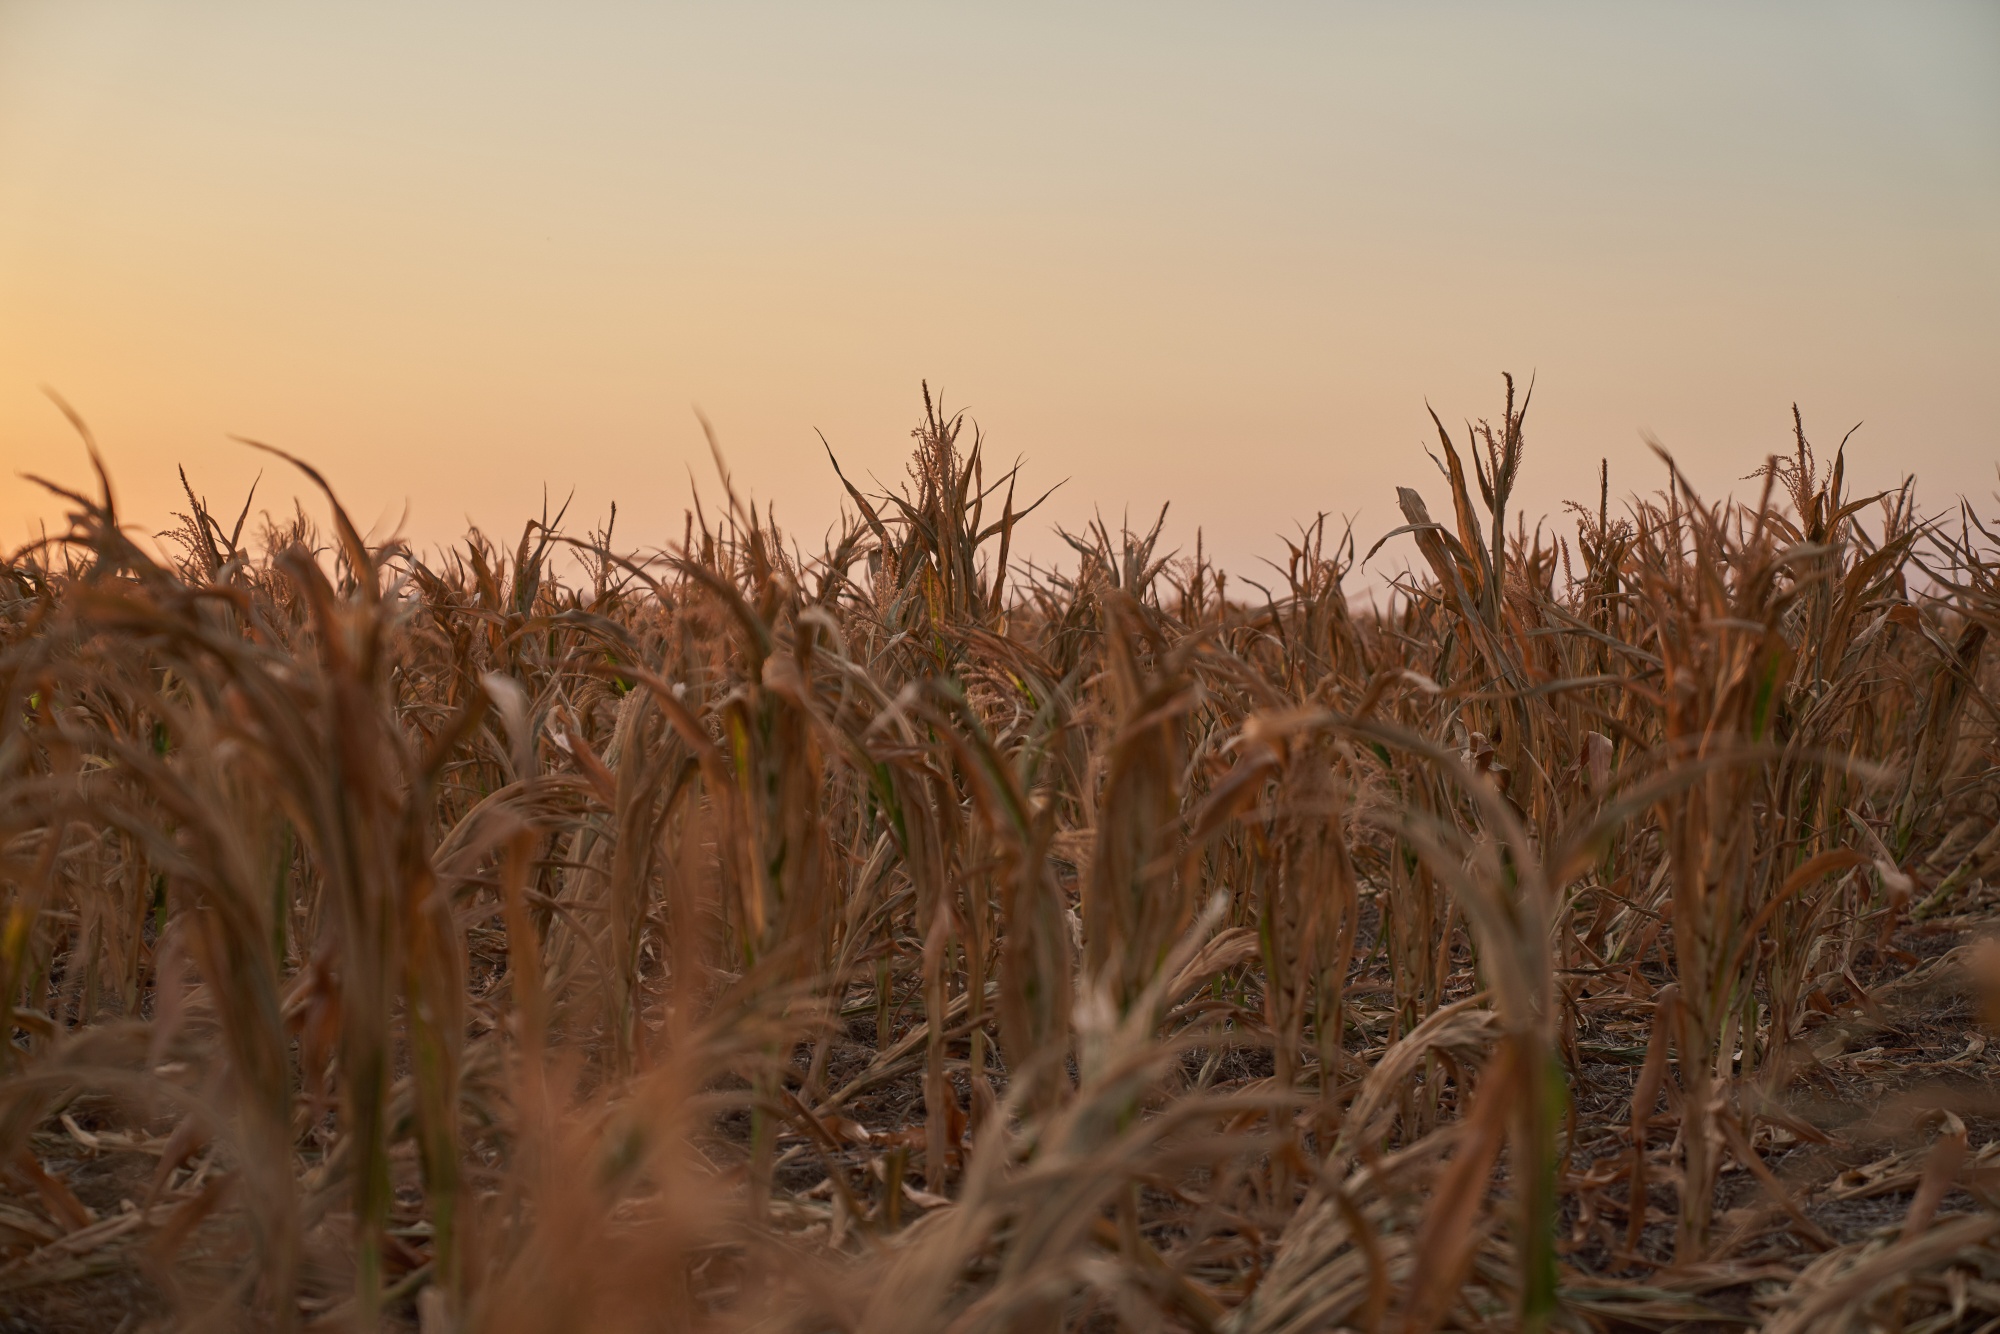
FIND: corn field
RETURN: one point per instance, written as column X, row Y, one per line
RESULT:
column 1585, row 935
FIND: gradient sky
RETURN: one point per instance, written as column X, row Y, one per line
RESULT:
column 1214, row 255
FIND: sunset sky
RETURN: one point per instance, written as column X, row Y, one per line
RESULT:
column 1219, row 255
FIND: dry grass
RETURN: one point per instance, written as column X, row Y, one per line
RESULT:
column 896, row 939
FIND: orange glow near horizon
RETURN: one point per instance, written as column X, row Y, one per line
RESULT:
column 1219, row 258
